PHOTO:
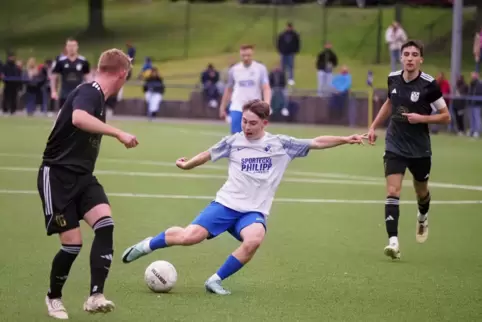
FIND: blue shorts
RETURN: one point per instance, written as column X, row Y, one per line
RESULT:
column 217, row 219
column 236, row 117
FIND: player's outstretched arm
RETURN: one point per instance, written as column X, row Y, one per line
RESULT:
column 326, row 142
column 382, row 116
column 188, row 164
column 88, row 123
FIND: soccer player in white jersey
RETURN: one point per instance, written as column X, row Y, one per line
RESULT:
column 248, row 80
column 257, row 162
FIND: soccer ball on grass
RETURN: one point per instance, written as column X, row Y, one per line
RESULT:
column 160, row 276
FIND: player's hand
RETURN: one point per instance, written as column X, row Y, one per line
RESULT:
column 181, row 163
column 222, row 113
column 371, row 136
column 129, row 140
column 54, row 96
column 355, row 139
column 414, row 118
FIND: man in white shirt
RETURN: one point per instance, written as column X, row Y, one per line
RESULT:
column 395, row 37
column 247, row 80
column 257, row 162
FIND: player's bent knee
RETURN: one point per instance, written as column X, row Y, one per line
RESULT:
column 194, row 234
column 96, row 213
column 421, row 187
column 71, row 237
column 253, row 237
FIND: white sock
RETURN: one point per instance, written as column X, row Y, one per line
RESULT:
column 421, row 217
column 146, row 247
column 393, row 240
column 214, row 278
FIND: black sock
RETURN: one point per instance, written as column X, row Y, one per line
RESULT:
column 392, row 212
column 60, row 269
column 101, row 254
column 424, row 204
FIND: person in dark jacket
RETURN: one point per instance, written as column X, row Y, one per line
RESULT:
column 459, row 103
column 277, row 82
column 288, row 46
column 475, row 90
column 12, row 79
column 209, row 81
column 154, row 90
column 325, row 63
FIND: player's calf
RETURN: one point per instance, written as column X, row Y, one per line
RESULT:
column 252, row 236
column 423, row 201
column 101, row 253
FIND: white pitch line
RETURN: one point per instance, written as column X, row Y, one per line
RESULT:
column 223, row 177
column 282, row 200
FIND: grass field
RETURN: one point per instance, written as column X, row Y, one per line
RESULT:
column 323, row 256
column 185, row 42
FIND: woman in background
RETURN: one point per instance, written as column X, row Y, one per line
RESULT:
column 154, row 90
column 33, row 85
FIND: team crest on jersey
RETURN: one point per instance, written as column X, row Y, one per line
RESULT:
column 267, row 148
column 414, row 96
column 79, row 67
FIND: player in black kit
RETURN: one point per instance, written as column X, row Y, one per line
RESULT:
column 68, row 189
column 412, row 97
column 73, row 70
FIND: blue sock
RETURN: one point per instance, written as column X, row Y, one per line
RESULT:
column 230, row 266
column 158, row 242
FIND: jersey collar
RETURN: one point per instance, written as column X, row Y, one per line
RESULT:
column 405, row 82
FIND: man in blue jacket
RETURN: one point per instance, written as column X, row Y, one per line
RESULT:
column 341, row 84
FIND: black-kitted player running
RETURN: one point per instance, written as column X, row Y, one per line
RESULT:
column 413, row 96
column 68, row 189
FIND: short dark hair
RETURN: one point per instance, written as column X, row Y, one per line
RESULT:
column 413, row 43
column 289, row 24
column 258, row 107
column 246, row 46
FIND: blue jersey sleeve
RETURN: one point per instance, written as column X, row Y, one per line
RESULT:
column 88, row 99
column 222, row 149
column 295, row 148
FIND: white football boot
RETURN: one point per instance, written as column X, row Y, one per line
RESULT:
column 97, row 303
column 56, row 308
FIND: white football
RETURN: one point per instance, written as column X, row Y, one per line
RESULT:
column 160, row 276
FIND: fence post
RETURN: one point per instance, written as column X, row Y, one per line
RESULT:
column 275, row 22
column 379, row 35
column 187, row 28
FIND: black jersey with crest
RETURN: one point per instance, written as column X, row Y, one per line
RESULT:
column 68, row 146
column 422, row 95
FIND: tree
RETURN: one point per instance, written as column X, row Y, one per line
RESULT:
column 96, row 17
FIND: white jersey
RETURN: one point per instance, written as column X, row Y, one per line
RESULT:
column 255, row 169
column 247, row 83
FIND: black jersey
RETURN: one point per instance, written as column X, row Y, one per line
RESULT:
column 422, row 95
column 69, row 146
column 71, row 72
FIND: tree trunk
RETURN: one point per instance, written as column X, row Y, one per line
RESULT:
column 96, row 17
column 478, row 15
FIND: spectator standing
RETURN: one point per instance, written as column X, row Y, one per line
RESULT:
column 33, row 85
column 325, row 63
column 153, row 90
column 288, row 46
column 445, row 88
column 395, row 37
column 277, row 81
column 478, row 50
column 475, row 90
column 12, row 79
column 340, row 98
column 131, row 52
column 459, row 104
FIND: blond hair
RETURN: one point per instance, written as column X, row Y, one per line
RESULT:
column 113, row 61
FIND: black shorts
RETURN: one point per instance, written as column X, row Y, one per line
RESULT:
column 418, row 167
column 66, row 197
